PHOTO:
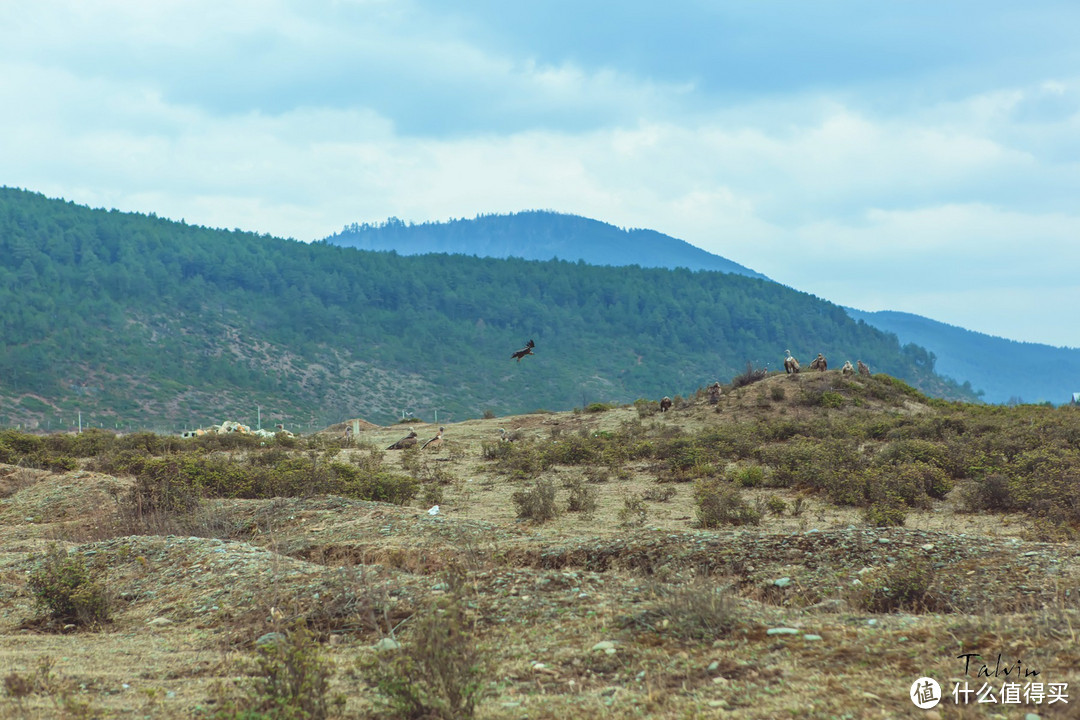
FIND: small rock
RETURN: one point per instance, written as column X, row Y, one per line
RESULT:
column 928, row 547
column 160, row 621
column 782, row 631
column 387, row 643
column 270, row 638
column 713, row 666
column 811, row 638
column 782, row 582
column 604, row 645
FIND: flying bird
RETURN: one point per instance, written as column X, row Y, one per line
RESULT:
column 406, row 442
column 527, row 350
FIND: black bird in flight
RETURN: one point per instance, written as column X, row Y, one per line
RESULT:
column 527, row 350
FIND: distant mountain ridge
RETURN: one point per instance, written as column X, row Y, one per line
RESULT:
column 537, row 235
column 1004, row 370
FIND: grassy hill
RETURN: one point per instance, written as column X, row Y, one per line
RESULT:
column 808, row 546
column 140, row 322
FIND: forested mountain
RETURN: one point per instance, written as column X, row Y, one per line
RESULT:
column 1005, row 370
column 139, row 321
column 537, row 235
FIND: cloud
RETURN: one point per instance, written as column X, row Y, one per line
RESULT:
column 927, row 162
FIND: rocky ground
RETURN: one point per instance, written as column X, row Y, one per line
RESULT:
column 583, row 616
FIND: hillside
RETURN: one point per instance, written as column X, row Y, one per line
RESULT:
column 537, row 235
column 136, row 321
column 808, row 547
column 1005, row 370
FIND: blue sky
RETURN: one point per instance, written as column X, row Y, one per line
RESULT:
column 914, row 156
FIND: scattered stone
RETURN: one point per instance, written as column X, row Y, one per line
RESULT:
column 782, row 582
column 160, row 621
column 270, row 638
column 928, row 547
column 782, row 631
column 387, row 643
column 811, row 638
column 604, row 645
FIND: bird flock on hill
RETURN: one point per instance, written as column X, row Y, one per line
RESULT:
column 791, row 366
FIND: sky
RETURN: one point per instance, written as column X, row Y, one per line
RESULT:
column 917, row 156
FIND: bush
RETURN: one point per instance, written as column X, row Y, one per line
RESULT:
column 537, row 503
column 721, row 504
column 903, row 586
column 633, row 511
column 582, row 497
column 440, row 672
column 69, row 590
column 646, row 408
column 752, row 375
column 292, row 682
column 699, row 611
column 884, row 514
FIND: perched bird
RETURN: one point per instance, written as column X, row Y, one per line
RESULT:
column 434, row 443
column 527, row 350
column 665, row 404
column 406, row 442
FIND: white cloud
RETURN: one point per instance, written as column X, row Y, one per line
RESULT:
column 296, row 119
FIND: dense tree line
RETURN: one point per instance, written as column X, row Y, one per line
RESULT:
column 134, row 314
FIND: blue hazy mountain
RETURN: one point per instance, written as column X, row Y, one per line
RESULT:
column 537, row 235
column 1005, row 370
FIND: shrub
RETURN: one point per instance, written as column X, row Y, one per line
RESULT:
column 699, row 611
column 749, row 476
column 582, row 497
column 884, row 514
column 752, row 375
column 646, row 408
column 440, row 672
column 537, row 503
column 718, row 503
column 69, row 590
column 903, row 586
column 633, row 511
column 598, row 407
column 291, row 681
column 775, row 504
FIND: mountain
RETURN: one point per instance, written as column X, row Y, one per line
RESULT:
column 1005, row 370
column 537, row 235
column 137, row 321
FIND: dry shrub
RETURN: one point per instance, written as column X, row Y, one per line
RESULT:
column 290, row 680
column 537, row 503
column 582, row 498
column 719, row 504
column 68, row 589
column 439, row 673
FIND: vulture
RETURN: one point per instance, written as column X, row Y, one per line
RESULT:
column 406, row 442
column 819, row 363
column 527, row 350
column 665, row 404
column 434, row 443
column 848, row 368
column 864, row 369
column 791, row 365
